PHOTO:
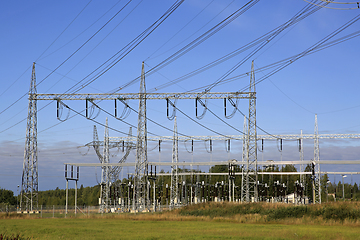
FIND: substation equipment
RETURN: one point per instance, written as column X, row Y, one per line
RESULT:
column 140, row 187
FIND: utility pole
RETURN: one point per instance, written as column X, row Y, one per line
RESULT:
column 174, row 191
column 141, row 197
column 317, row 181
column 29, row 185
column 105, row 181
column 251, row 177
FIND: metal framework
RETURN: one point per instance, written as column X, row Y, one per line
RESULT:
column 149, row 96
column 105, row 174
column 317, row 180
column 174, row 191
column 250, row 178
column 141, row 195
column 29, row 185
column 241, row 137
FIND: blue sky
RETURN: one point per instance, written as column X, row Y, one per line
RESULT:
column 48, row 33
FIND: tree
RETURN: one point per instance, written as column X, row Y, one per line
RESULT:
column 7, row 196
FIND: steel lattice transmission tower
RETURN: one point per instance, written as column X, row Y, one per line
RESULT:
column 243, row 158
column 317, row 163
column 29, row 185
column 174, row 189
column 141, row 197
column 251, row 177
column 105, row 173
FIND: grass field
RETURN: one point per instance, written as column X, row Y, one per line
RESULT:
column 119, row 228
column 202, row 221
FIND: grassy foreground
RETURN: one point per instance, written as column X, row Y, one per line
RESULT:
column 113, row 228
column 203, row 221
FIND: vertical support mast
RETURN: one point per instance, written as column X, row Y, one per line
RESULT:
column 251, row 177
column 29, row 186
column 105, row 181
column 140, row 193
column 317, row 163
column 243, row 158
column 174, row 191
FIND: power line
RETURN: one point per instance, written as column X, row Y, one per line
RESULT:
column 195, row 42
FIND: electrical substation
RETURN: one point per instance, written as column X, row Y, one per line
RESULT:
column 244, row 179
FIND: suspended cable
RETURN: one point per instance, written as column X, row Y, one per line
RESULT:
column 263, row 39
column 196, row 42
column 308, row 10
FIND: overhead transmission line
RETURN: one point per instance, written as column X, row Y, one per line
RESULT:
column 194, row 32
column 195, row 42
column 283, row 61
column 299, row 16
column 313, row 48
column 96, row 46
column 357, row 4
column 260, row 40
column 81, row 32
column 144, row 34
column 316, row 47
column 78, row 49
column 305, row 12
column 47, row 48
column 117, row 57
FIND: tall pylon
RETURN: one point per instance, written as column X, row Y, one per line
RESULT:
column 317, row 163
column 174, row 189
column 141, row 196
column 105, row 173
column 243, row 158
column 29, row 185
column 251, row 177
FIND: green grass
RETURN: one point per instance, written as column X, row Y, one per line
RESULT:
column 332, row 212
column 201, row 221
column 120, row 228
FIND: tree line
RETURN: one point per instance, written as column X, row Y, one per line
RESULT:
column 204, row 186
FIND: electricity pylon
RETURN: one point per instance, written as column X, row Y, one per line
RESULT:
column 105, row 177
column 317, row 179
column 174, row 188
column 29, row 185
column 251, row 177
column 141, row 193
column 141, row 196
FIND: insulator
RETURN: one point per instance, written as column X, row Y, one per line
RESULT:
column 77, row 174
column 281, row 144
column 66, row 171
column 155, row 171
column 159, row 146
column 228, row 144
column 72, row 171
column 123, row 146
column 115, row 109
column 225, row 106
column 192, row 145
column 57, row 109
column 86, row 106
column 210, row 145
column 262, row 144
column 196, row 108
column 299, row 145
